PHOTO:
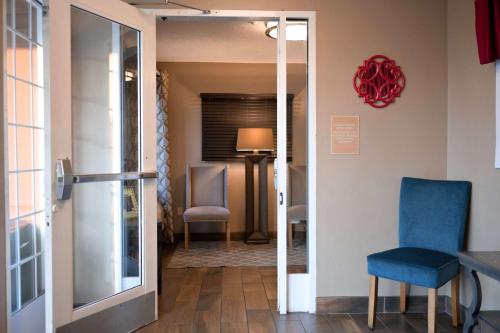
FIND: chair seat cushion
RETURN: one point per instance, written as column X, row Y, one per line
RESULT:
column 206, row 214
column 297, row 213
column 417, row 266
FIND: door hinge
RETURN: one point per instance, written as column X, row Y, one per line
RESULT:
column 45, row 10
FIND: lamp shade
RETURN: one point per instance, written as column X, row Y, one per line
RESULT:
column 255, row 139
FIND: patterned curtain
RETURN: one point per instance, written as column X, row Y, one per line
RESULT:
column 163, row 155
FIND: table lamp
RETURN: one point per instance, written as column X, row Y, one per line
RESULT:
column 256, row 140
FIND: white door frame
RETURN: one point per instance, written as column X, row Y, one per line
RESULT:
column 4, row 286
column 301, row 293
column 59, row 250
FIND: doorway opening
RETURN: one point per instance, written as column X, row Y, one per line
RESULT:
column 216, row 66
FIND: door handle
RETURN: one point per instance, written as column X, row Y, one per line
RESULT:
column 108, row 177
column 66, row 179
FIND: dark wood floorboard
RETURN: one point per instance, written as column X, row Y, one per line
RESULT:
column 243, row 300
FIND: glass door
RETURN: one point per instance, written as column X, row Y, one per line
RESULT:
column 25, row 166
column 298, row 221
column 102, row 226
column 280, row 168
column 296, row 175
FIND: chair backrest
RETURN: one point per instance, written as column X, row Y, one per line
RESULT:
column 433, row 214
column 297, row 185
column 206, row 186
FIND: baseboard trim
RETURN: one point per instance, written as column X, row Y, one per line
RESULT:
column 386, row 304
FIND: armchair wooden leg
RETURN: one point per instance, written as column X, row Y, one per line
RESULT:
column 228, row 234
column 432, row 310
column 290, row 234
column 403, row 297
column 455, row 301
column 372, row 302
column 186, row 236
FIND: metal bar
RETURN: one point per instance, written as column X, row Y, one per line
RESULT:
column 107, row 177
column 204, row 11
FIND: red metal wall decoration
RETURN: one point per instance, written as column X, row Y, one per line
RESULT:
column 379, row 81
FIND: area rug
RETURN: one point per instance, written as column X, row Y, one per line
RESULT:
column 216, row 254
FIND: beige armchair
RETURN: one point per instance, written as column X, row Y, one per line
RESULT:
column 297, row 194
column 206, row 198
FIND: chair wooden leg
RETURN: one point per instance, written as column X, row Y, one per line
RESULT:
column 290, row 234
column 228, row 234
column 372, row 302
column 432, row 310
column 455, row 301
column 186, row 236
column 403, row 297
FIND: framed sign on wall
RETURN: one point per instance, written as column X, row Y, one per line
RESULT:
column 344, row 135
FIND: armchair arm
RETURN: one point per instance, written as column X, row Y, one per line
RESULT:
column 288, row 185
column 188, row 186
column 226, row 186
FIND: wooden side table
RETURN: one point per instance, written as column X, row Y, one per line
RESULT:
column 487, row 263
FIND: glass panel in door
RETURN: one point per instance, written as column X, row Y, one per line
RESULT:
column 105, row 140
column 296, row 48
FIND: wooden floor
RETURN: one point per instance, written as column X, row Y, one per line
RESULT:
column 244, row 300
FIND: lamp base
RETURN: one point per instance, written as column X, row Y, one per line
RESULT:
column 257, row 237
column 253, row 235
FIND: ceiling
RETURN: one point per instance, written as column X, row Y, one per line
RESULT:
column 221, row 41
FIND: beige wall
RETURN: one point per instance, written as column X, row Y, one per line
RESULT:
column 186, row 82
column 471, row 135
column 358, row 195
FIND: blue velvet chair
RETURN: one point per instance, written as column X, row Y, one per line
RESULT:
column 432, row 221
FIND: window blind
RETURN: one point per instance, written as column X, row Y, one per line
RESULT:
column 223, row 114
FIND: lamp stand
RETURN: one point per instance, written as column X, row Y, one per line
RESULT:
column 253, row 235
